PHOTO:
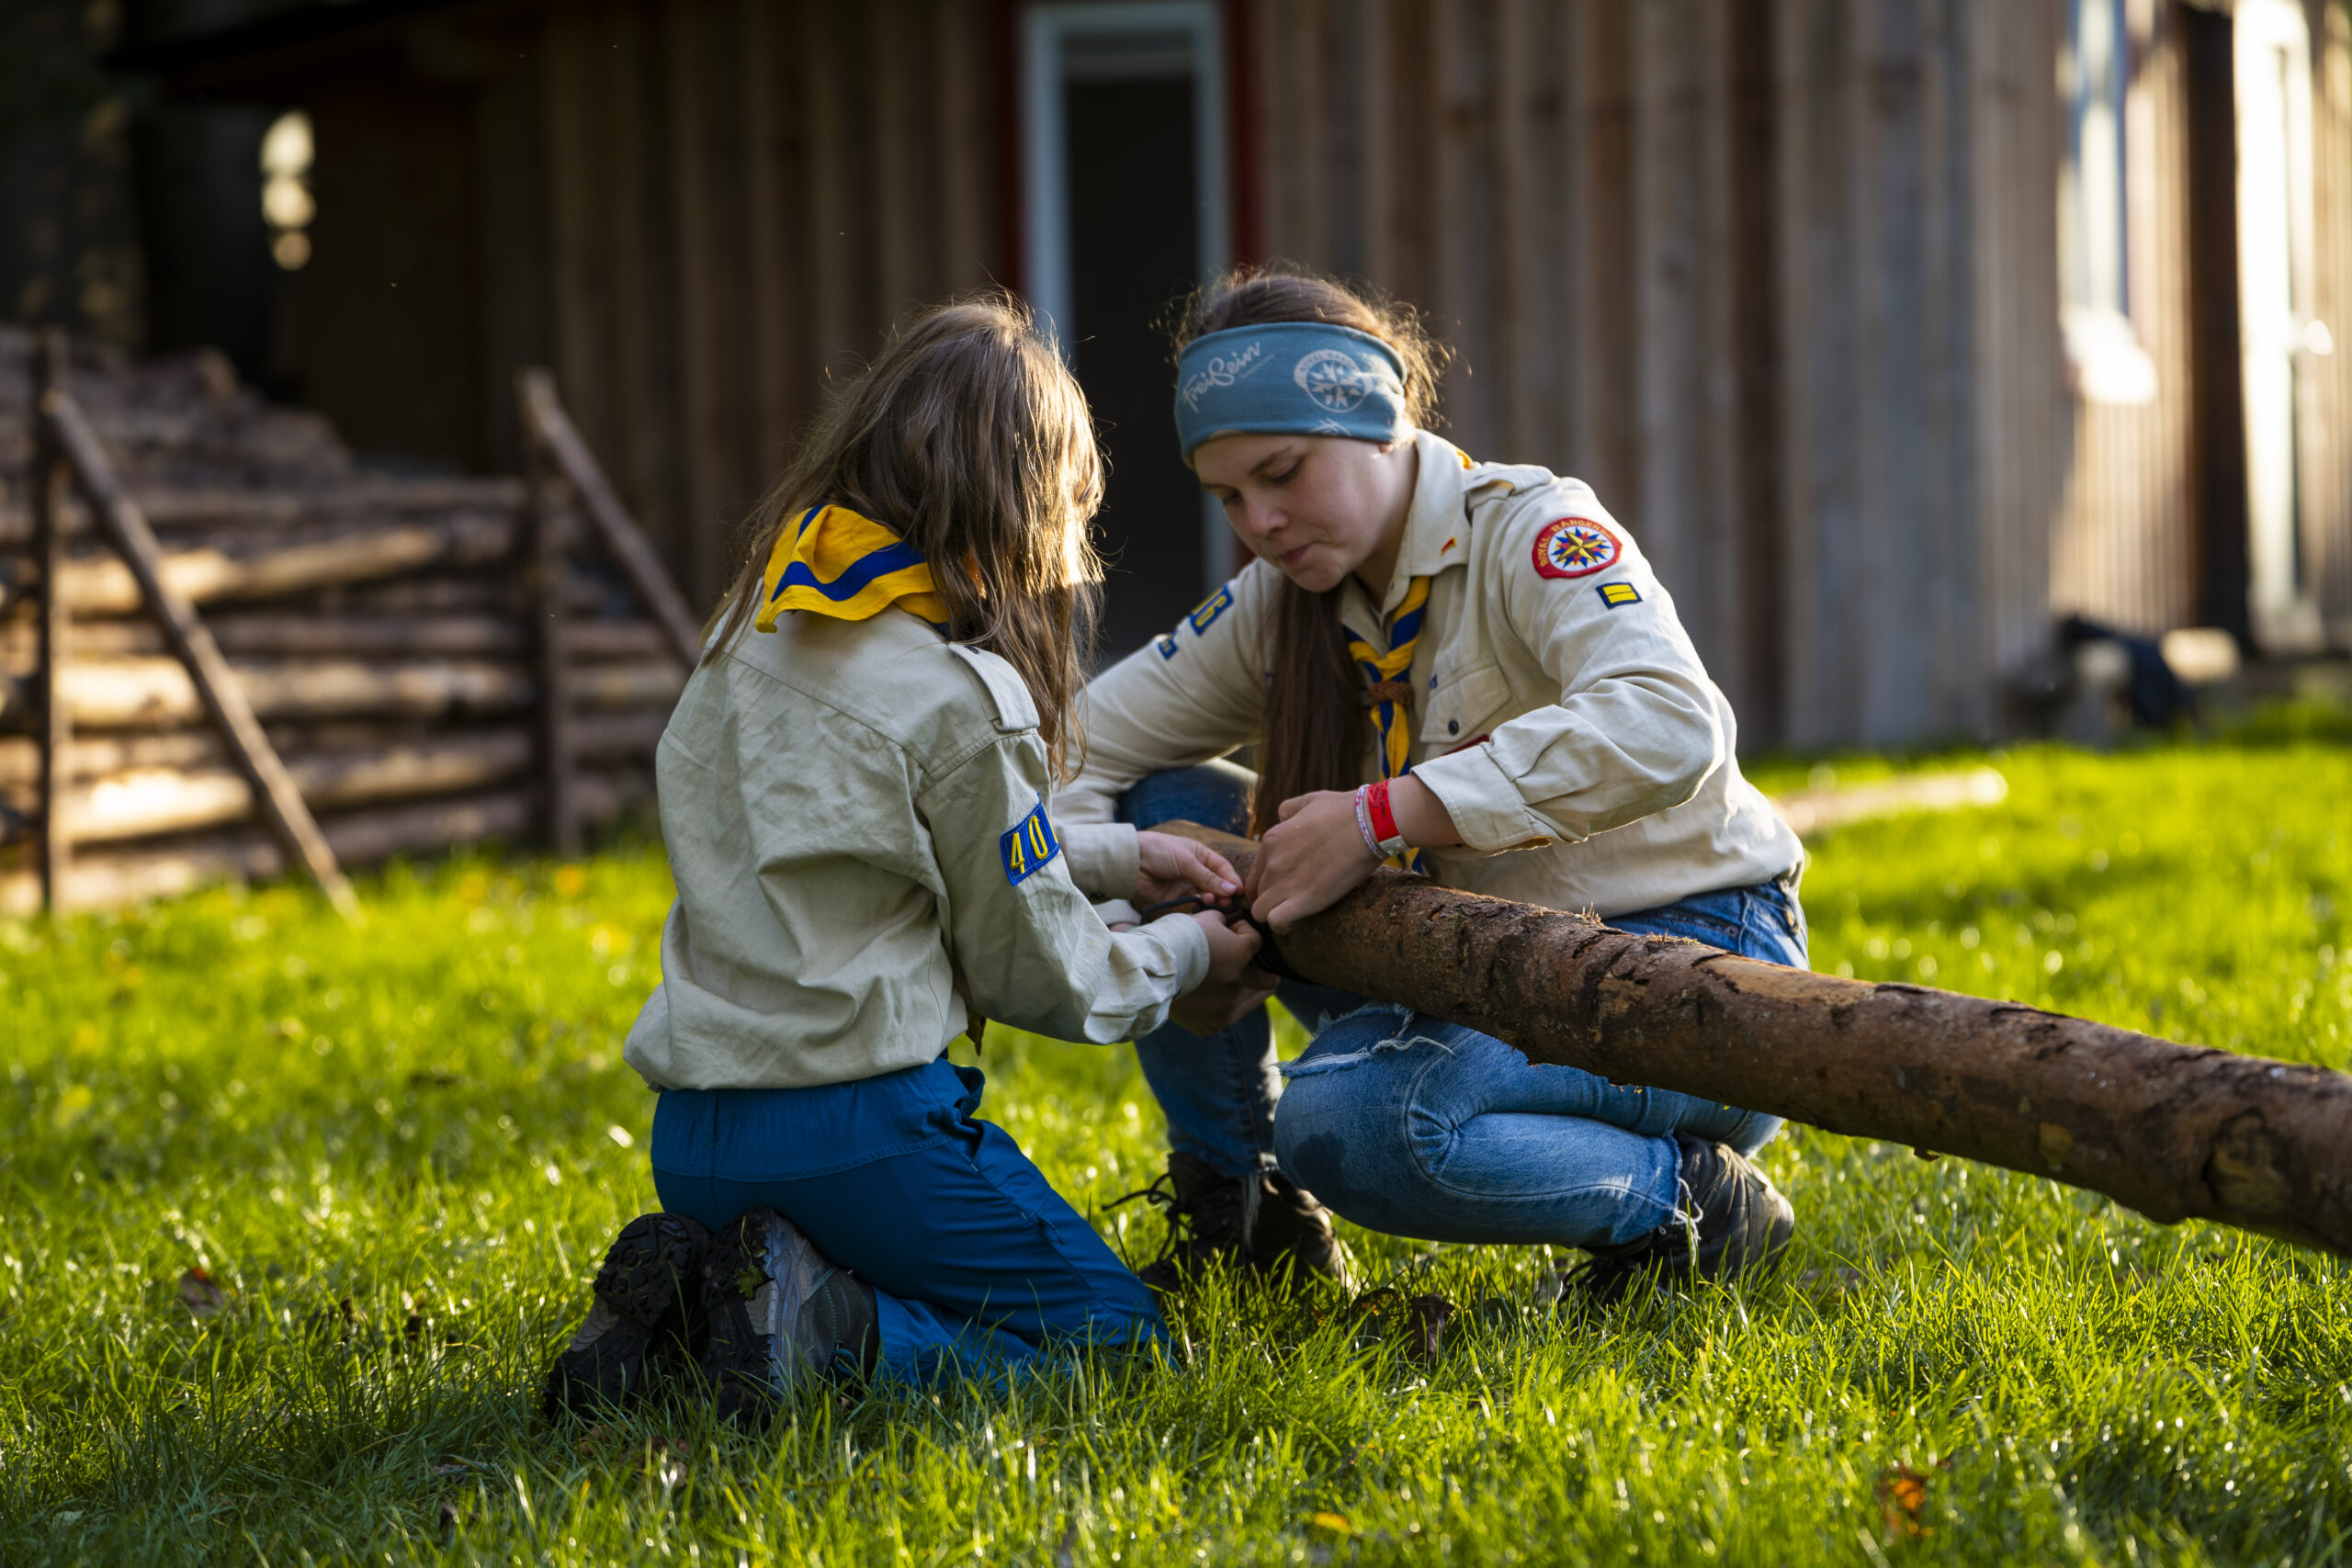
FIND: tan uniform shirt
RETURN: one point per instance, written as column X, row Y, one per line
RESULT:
column 1560, row 710
column 857, row 816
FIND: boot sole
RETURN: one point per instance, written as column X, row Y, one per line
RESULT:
column 649, row 1279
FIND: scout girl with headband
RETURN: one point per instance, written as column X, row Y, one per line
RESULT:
column 1467, row 668
column 857, row 800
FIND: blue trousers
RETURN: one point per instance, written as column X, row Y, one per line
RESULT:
column 977, row 1264
column 1417, row 1127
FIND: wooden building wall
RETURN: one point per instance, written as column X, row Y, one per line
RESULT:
column 740, row 196
column 1759, row 272
column 2126, row 550
column 1778, row 276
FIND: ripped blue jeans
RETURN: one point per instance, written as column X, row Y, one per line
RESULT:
column 1404, row 1123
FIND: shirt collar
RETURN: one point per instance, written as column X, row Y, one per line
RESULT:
column 1436, row 528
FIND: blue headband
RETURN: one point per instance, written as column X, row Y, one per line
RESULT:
column 1289, row 379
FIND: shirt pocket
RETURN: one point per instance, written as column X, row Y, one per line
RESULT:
column 1463, row 708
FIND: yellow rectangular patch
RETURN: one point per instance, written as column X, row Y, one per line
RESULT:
column 1614, row 594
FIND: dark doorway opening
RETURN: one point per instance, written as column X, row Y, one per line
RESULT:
column 1134, row 248
column 2218, row 408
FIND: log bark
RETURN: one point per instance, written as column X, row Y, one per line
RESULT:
column 2175, row 1131
column 627, row 733
column 158, row 693
column 267, row 566
column 110, row 880
column 280, row 510
column 141, row 802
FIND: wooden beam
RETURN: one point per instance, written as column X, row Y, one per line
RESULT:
column 545, row 423
column 557, row 763
column 56, row 731
column 288, row 819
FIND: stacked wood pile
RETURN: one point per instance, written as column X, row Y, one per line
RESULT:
column 385, row 632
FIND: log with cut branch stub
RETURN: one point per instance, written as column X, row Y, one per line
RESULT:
column 2175, row 1131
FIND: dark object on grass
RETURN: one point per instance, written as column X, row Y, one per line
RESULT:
column 1269, row 1226
column 2157, row 697
column 647, row 1304
column 1737, row 1223
column 2177, row 1132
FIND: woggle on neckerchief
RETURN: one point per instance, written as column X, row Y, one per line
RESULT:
column 1391, row 696
column 845, row 565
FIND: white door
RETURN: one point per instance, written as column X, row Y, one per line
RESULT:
column 2274, row 126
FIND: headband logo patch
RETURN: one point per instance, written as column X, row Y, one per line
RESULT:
column 1575, row 547
column 1617, row 594
column 1332, row 379
column 1205, row 612
column 1028, row 845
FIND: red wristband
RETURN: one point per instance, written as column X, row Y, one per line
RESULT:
column 1383, row 820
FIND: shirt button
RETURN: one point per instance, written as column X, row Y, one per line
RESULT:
column 1454, row 726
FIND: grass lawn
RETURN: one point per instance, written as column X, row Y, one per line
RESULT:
column 295, row 1217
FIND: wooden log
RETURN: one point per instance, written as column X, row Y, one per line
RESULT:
column 178, row 867
column 288, row 818
column 281, row 510
column 551, row 619
column 156, row 692
column 141, row 801
column 52, row 621
column 544, row 417
column 599, row 736
column 262, row 568
column 2177, row 1132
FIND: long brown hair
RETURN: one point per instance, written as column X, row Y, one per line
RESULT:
column 969, row 437
column 1315, row 725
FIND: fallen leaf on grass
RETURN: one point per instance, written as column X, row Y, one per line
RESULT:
column 1337, row 1524
column 1901, row 1493
column 200, row 1295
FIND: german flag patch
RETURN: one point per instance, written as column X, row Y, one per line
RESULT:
column 1616, row 595
column 1027, row 846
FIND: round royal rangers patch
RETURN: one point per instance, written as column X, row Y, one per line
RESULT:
column 1575, row 547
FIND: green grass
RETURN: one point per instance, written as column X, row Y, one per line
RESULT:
column 398, row 1155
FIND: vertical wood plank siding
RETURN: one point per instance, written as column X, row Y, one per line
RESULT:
column 2126, row 549
column 743, row 194
column 1777, row 276
column 1755, row 270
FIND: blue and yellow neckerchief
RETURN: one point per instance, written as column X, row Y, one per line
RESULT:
column 843, row 564
column 1392, row 689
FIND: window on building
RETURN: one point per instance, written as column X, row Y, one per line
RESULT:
column 2094, row 211
column 286, row 199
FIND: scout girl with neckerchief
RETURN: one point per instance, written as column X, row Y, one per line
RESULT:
column 1468, row 669
column 856, row 795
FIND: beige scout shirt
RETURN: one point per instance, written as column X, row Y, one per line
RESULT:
column 848, row 808
column 1576, row 729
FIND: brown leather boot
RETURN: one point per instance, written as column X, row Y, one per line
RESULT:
column 1268, row 1226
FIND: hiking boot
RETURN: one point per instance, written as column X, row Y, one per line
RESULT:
column 779, row 1314
column 648, row 1306
column 1268, row 1226
column 1731, row 1220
